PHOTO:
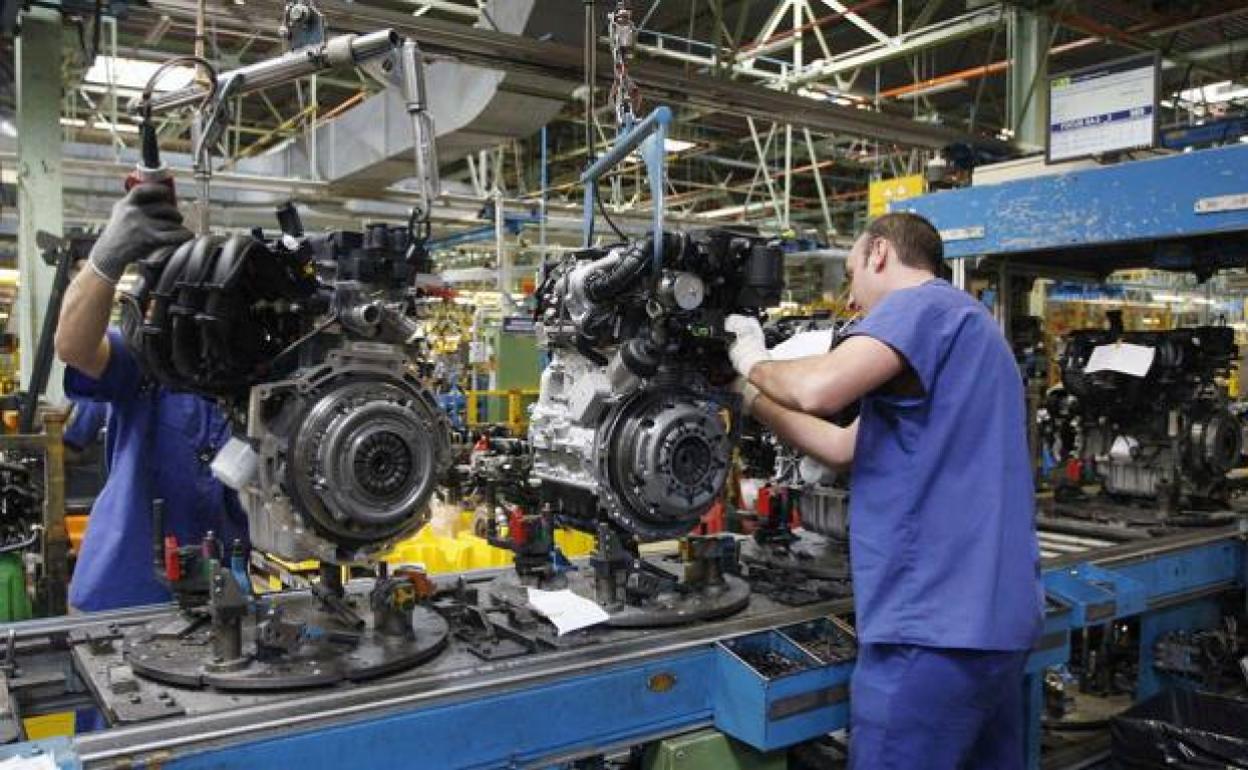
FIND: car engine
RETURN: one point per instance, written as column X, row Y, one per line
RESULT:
column 312, row 343
column 636, row 421
column 21, row 501
column 1167, row 435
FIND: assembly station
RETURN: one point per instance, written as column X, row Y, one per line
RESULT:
column 623, row 384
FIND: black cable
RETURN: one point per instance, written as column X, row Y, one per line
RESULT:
column 602, row 209
column 211, row 71
column 591, row 48
column 95, row 31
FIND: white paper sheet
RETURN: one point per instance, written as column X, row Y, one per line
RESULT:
column 1124, row 357
column 37, row 762
column 803, row 344
column 565, row 609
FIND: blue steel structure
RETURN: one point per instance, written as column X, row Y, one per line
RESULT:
column 1186, row 211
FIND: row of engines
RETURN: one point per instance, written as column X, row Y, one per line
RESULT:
column 313, row 344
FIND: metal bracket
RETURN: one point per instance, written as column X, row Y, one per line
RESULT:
column 651, row 136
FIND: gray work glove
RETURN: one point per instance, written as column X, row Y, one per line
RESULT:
column 143, row 221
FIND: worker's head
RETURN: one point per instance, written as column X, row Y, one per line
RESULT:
column 894, row 251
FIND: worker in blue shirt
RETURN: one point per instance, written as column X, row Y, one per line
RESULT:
column 160, row 443
column 943, row 548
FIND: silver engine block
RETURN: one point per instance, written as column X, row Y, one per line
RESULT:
column 654, row 457
column 636, row 421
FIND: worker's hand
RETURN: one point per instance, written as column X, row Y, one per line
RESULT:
column 749, row 346
column 143, row 221
column 748, row 393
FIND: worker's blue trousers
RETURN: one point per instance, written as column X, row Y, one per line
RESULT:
column 929, row 708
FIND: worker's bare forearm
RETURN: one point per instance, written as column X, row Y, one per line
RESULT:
column 81, row 329
column 826, row 384
column 791, row 383
column 830, row 444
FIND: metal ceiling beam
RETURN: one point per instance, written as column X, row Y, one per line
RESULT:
column 659, row 82
column 948, row 31
column 784, row 40
column 858, row 21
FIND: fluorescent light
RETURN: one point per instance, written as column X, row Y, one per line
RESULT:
column 7, row 128
column 670, row 146
column 101, row 125
column 134, row 73
column 1214, row 93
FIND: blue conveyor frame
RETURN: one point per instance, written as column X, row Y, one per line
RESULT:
column 575, row 710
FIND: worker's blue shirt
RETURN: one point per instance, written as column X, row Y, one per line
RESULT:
column 159, row 446
column 85, row 424
column 942, row 529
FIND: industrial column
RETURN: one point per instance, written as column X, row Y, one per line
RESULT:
column 1027, row 84
column 39, row 189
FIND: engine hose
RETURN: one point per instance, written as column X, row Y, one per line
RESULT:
column 613, row 279
column 585, row 347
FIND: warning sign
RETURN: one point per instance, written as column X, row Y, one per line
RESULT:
column 885, row 191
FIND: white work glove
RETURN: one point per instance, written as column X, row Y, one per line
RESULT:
column 749, row 347
column 143, row 221
column 748, row 393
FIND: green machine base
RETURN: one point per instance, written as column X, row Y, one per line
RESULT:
column 709, row 750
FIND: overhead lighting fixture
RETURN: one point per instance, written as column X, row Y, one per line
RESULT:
column 134, row 73
column 1215, row 93
column 670, row 146
column 7, row 128
column 101, row 125
column 673, row 146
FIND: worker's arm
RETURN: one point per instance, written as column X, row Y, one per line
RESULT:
column 831, row 445
column 826, row 384
column 81, row 341
column 143, row 221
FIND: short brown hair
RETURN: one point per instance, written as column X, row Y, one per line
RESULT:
column 916, row 241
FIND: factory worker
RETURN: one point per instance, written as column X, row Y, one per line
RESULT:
column 942, row 535
column 160, row 442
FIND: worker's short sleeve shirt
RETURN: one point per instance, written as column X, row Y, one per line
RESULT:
column 942, row 526
column 159, row 446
